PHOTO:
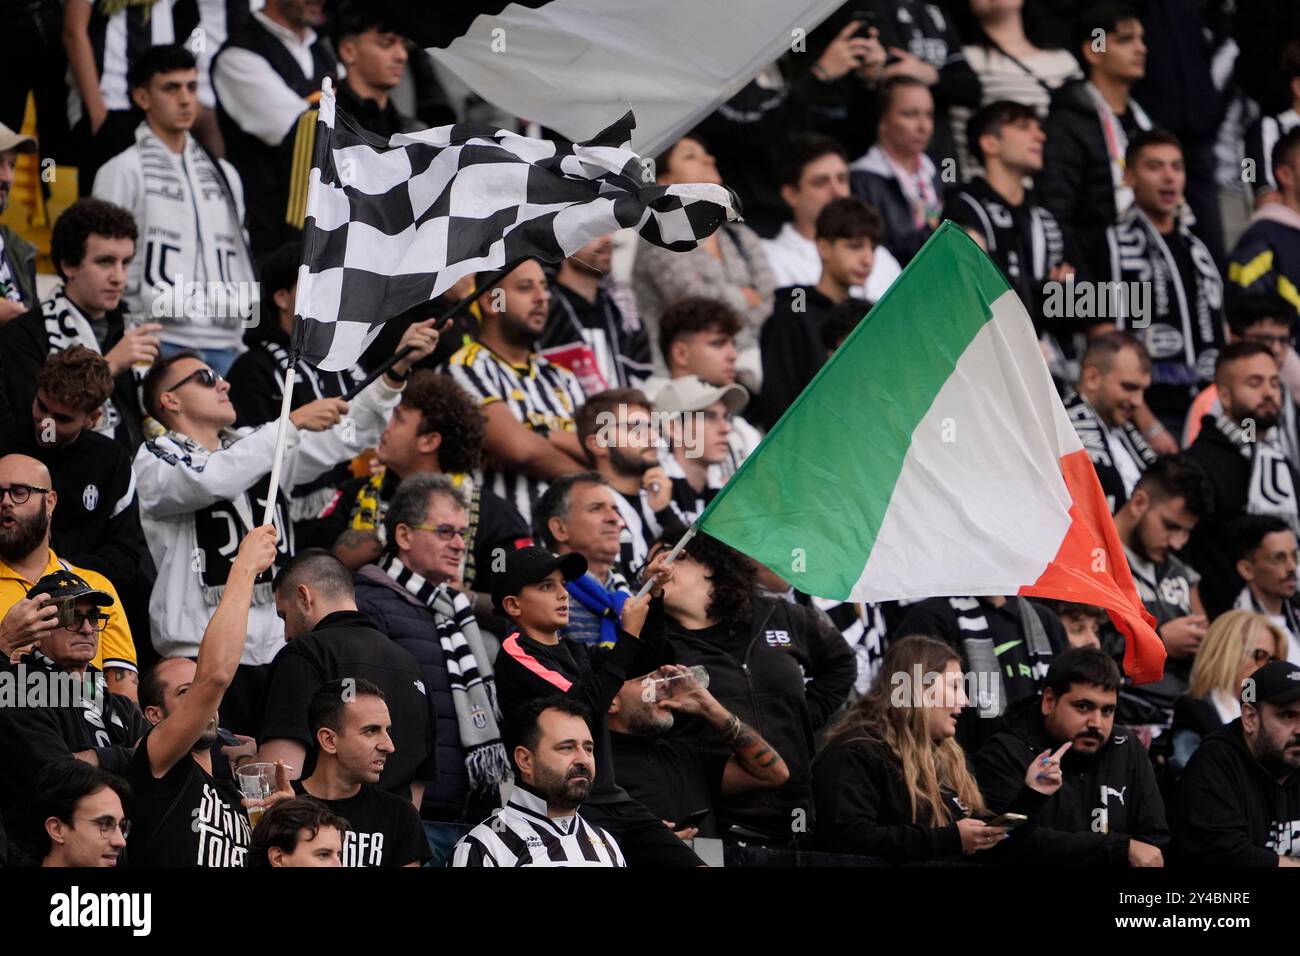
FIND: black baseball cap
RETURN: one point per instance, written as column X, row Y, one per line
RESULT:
column 1277, row 682
column 64, row 585
column 530, row 565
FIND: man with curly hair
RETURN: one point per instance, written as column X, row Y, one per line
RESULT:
column 435, row 429
column 92, row 246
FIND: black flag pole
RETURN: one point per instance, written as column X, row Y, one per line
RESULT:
column 427, row 310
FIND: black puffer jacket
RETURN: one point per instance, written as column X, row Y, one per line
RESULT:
column 1105, row 798
column 1076, row 184
column 410, row 624
column 784, row 675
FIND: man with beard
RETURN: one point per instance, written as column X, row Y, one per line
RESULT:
column 528, row 402
column 1239, row 798
column 1240, row 452
column 351, row 727
column 1266, row 560
column 1108, row 811
column 617, row 433
column 182, row 814
column 540, row 824
column 676, row 780
column 77, row 715
column 590, row 321
column 1116, row 370
column 1171, row 497
column 27, row 500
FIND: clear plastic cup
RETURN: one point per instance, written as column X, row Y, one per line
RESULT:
column 256, row 782
column 655, row 689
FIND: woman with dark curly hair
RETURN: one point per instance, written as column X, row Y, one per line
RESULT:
column 781, row 668
column 436, row 428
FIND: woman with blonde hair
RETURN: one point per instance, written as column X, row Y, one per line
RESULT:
column 892, row 781
column 1237, row 644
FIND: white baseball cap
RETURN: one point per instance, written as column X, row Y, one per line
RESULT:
column 690, row 393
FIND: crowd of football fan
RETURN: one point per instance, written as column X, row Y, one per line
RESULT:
column 436, row 653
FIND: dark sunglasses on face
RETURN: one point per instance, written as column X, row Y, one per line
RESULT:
column 204, row 376
column 20, row 493
column 1261, row 656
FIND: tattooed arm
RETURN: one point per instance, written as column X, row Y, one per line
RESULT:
column 754, row 763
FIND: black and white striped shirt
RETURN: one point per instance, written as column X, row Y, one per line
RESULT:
column 120, row 30
column 541, row 396
column 521, row 834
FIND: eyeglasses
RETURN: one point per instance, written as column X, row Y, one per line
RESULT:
column 1261, row 656
column 444, row 532
column 97, row 621
column 20, row 493
column 108, row 824
column 204, row 376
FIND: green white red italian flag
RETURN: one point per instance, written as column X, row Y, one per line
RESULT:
column 932, row 456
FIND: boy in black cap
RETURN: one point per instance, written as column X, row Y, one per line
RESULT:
column 536, row 662
column 1239, row 799
column 75, row 713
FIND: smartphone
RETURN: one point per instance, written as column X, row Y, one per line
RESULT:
column 1008, row 820
column 227, row 738
column 866, row 20
column 694, row 819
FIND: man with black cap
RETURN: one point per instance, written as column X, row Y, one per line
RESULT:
column 535, row 661
column 1239, row 798
column 699, row 423
column 75, row 713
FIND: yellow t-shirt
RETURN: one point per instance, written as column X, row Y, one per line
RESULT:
column 116, row 648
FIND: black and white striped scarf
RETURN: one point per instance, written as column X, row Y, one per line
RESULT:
column 469, row 672
column 1272, row 488
column 65, row 327
column 1095, row 436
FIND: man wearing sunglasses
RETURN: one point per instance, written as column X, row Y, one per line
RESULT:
column 203, row 486
column 76, row 715
column 27, row 502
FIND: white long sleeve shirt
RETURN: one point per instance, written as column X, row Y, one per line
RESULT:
column 177, row 480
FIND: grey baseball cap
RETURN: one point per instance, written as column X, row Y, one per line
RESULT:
column 690, row 393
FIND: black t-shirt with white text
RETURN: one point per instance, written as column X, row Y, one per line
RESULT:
column 385, row 829
column 184, row 818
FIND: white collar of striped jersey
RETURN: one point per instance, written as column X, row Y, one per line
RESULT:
column 527, row 800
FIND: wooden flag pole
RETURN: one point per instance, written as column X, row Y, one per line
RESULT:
column 672, row 556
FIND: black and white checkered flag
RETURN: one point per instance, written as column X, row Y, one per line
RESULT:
column 392, row 224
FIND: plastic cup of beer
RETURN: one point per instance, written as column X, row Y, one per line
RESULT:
column 256, row 782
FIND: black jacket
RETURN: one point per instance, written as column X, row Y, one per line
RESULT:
column 348, row 644
column 527, row 669
column 902, row 237
column 410, row 625
column 32, row 736
column 24, row 347
column 1210, row 548
column 1233, row 812
column 96, row 523
column 1106, row 798
column 792, row 349
column 784, row 674
column 863, row 807
column 1076, row 183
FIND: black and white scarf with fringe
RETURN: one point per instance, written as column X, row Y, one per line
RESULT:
column 469, row 672
column 1272, row 489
